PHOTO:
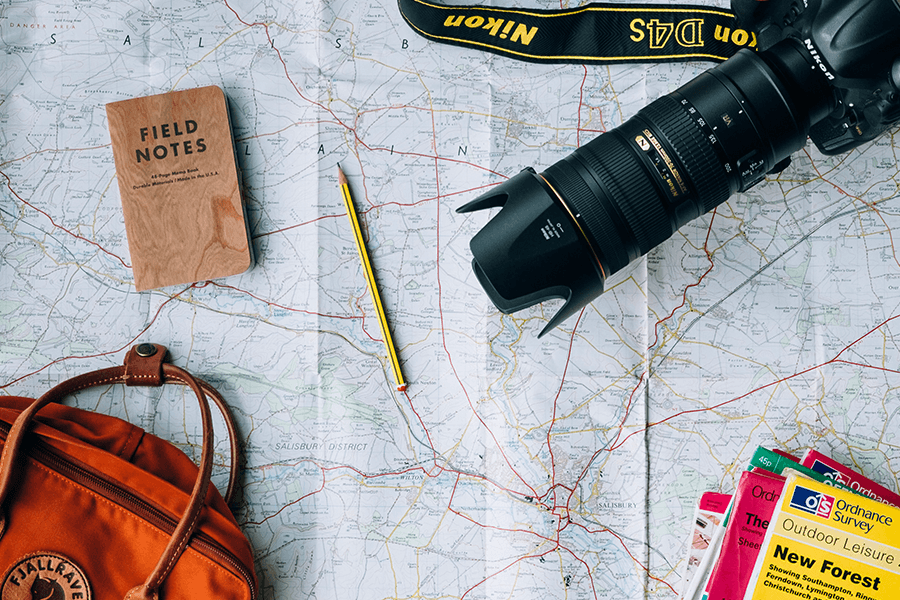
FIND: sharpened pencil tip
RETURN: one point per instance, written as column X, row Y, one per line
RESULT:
column 342, row 179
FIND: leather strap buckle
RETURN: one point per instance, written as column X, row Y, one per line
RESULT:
column 143, row 365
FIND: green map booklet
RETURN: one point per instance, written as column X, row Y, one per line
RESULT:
column 824, row 543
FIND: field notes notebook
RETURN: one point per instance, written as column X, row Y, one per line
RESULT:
column 179, row 185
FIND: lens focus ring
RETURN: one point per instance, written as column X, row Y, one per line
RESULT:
column 626, row 181
column 595, row 212
column 693, row 149
column 607, row 189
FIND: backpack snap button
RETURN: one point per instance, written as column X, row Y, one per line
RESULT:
column 145, row 350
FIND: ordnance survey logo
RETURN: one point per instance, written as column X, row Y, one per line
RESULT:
column 812, row 502
column 828, row 472
column 44, row 576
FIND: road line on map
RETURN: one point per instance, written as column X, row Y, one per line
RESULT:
column 58, row 226
column 117, row 350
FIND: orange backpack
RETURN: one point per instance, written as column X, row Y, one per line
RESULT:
column 94, row 508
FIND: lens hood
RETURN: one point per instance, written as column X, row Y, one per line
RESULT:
column 532, row 251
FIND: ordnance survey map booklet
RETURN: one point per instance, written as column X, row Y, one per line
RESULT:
column 825, row 543
column 726, row 568
column 754, row 500
column 857, row 482
column 709, row 515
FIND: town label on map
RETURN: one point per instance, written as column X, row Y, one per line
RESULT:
column 312, row 446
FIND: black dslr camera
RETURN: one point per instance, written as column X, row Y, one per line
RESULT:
column 825, row 69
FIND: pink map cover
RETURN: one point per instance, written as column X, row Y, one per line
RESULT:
column 708, row 517
column 755, row 500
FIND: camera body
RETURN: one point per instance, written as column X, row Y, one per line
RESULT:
column 854, row 44
column 826, row 70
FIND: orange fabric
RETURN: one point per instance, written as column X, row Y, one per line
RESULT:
column 101, row 431
column 115, row 546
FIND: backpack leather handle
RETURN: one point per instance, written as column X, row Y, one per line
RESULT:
column 143, row 366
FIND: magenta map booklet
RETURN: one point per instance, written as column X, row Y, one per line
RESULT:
column 755, row 500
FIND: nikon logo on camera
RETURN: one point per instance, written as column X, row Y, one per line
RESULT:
column 818, row 58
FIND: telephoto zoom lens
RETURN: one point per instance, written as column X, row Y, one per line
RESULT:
column 562, row 232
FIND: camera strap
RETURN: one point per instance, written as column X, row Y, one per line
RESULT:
column 593, row 33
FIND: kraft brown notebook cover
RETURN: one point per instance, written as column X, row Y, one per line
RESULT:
column 178, row 181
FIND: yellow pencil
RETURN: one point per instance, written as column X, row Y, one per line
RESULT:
column 370, row 278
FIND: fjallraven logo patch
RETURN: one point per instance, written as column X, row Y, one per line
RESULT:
column 45, row 576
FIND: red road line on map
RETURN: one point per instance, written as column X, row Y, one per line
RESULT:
column 562, row 381
column 127, row 344
column 646, row 569
column 55, row 224
column 293, row 502
column 496, row 442
column 512, row 564
column 368, row 476
column 363, row 317
column 627, row 410
column 492, row 527
column 427, row 473
column 374, row 207
column 836, row 360
column 45, row 150
column 289, row 227
column 588, row 568
column 697, row 283
column 257, row 136
column 198, row 285
column 580, row 103
column 432, row 198
column 271, row 303
column 424, row 428
column 812, row 163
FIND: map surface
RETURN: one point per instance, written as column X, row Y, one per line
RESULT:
column 566, row 467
